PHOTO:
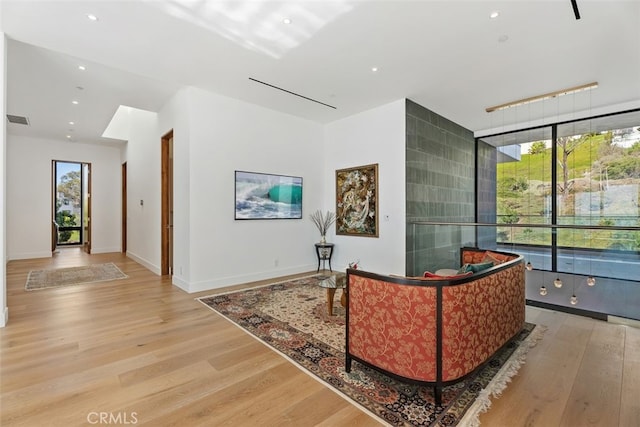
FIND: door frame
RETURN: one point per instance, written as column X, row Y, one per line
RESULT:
column 86, row 239
column 166, row 172
column 85, row 229
column 124, row 208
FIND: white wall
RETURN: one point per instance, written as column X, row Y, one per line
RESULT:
column 174, row 116
column 142, row 154
column 4, row 311
column 374, row 136
column 29, row 194
column 225, row 135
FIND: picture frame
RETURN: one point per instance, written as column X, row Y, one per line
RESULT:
column 267, row 196
column 357, row 201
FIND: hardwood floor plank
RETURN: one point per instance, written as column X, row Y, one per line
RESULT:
column 630, row 401
column 346, row 417
column 595, row 396
column 537, row 395
column 43, row 412
column 236, row 400
column 34, row 391
column 313, row 409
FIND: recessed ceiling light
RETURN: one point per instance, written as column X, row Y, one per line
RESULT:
column 68, row 136
column 81, row 67
column 92, row 17
column 494, row 14
column 374, row 69
column 286, row 21
column 74, row 102
column 72, row 123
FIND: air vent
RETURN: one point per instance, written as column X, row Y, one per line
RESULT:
column 20, row 120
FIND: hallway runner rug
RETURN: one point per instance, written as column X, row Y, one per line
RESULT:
column 56, row 277
column 291, row 317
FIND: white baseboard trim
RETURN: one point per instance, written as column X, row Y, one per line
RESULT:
column 623, row 321
column 29, row 255
column 145, row 263
column 207, row 285
column 104, row 250
column 4, row 319
column 180, row 283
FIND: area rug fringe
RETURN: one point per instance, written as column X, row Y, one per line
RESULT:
column 499, row 383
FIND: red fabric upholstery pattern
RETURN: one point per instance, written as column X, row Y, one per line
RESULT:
column 393, row 326
column 478, row 318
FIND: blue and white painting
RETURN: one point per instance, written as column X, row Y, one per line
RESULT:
column 265, row 196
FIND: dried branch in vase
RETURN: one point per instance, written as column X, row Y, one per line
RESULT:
column 323, row 221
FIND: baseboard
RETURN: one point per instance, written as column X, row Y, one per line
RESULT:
column 570, row 310
column 182, row 284
column 29, row 255
column 623, row 321
column 145, row 263
column 4, row 319
column 104, row 250
column 207, row 285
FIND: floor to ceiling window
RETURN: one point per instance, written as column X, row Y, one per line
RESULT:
column 568, row 199
column 584, row 177
column 523, row 192
column 68, row 203
column 598, row 184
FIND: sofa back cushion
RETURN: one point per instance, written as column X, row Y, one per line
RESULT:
column 470, row 256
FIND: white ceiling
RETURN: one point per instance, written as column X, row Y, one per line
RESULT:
column 448, row 56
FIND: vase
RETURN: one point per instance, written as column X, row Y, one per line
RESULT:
column 323, row 239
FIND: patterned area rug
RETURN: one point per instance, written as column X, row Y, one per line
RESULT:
column 42, row 279
column 291, row 317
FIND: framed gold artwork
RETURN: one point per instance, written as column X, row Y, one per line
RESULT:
column 357, row 201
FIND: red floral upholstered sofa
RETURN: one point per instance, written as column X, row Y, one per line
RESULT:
column 436, row 330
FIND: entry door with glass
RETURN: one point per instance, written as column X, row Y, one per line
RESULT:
column 71, row 210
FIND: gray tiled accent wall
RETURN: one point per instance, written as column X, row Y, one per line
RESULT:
column 440, row 185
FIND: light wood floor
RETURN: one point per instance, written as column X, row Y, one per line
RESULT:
column 143, row 352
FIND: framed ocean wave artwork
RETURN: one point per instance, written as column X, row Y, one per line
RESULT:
column 357, row 201
column 267, row 196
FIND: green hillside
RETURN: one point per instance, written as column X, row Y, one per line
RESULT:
column 524, row 187
column 538, row 166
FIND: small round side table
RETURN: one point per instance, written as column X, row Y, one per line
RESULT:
column 324, row 251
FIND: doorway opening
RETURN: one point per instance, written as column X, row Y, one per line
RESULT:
column 71, row 210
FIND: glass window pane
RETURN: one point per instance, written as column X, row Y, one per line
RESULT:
column 599, row 180
column 599, row 185
column 524, row 184
column 68, row 202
